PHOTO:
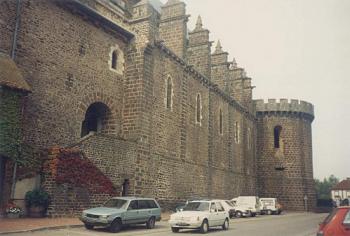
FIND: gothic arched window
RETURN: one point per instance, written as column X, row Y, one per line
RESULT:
column 220, row 122
column 198, row 109
column 169, row 93
column 277, row 133
column 114, row 59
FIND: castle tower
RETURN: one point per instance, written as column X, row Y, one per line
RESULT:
column 198, row 51
column 284, row 152
column 173, row 26
column 220, row 67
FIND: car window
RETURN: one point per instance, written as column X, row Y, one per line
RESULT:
column 133, row 205
column 143, row 204
column 229, row 203
column 196, row 206
column 151, row 204
column 347, row 218
column 212, row 206
column 116, row 203
column 219, row 206
column 330, row 216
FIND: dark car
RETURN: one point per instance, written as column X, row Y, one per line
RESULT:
column 337, row 223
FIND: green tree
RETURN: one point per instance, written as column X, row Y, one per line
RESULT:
column 323, row 188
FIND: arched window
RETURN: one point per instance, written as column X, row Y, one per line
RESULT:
column 277, row 133
column 169, row 93
column 220, row 122
column 198, row 109
column 249, row 133
column 114, row 60
column 237, row 131
column 95, row 118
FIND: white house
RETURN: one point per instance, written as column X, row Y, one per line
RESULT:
column 341, row 190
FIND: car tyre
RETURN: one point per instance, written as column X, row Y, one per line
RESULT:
column 151, row 223
column 116, row 226
column 238, row 214
column 87, row 226
column 226, row 224
column 175, row 229
column 204, row 227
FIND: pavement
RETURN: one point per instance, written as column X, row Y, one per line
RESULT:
column 21, row 225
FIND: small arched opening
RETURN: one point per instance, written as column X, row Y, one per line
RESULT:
column 114, row 60
column 277, row 136
column 96, row 118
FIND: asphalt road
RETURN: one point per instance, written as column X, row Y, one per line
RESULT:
column 289, row 224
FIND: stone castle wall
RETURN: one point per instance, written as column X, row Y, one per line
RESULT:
column 164, row 152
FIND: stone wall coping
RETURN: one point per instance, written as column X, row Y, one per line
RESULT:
column 284, row 105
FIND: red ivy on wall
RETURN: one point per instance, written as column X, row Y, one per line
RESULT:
column 71, row 167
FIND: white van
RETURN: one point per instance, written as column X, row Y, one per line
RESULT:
column 270, row 206
column 246, row 206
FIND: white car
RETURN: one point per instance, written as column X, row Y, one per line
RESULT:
column 200, row 215
column 228, row 206
column 270, row 206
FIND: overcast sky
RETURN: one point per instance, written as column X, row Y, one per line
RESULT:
column 297, row 49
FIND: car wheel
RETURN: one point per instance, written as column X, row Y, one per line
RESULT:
column 269, row 212
column 204, row 227
column 87, row 226
column 116, row 226
column 238, row 214
column 150, row 223
column 226, row 224
column 175, row 230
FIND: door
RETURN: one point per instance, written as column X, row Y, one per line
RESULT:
column 132, row 214
column 221, row 213
column 213, row 215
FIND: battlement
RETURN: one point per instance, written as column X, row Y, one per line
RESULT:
column 284, row 105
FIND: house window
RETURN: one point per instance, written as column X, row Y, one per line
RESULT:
column 277, row 133
column 198, row 109
column 237, row 131
column 169, row 93
column 114, row 60
column 220, row 122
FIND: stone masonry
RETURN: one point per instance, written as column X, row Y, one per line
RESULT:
column 145, row 100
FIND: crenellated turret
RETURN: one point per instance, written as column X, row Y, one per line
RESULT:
column 198, row 51
column 284, row 152
column 173, row 26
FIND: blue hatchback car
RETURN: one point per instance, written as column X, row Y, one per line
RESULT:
column 120, row 211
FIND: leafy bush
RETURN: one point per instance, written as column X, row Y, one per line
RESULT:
column 37, row 197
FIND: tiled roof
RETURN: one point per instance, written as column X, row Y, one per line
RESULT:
column 10, row 75
column 343, row 185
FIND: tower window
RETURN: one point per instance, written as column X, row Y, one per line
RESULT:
column 198, row 109
column 114, row 60
column 237, row 131
column 249, row 143
column 277, row 133
column 220, row 122
column 169, row 93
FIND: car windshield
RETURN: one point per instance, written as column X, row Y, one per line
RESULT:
column 116, row 203
column 229, row 203
column 197, row 206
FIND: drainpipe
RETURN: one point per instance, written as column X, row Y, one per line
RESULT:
column 14, row 41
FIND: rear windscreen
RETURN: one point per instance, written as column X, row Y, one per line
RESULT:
column 330, row 216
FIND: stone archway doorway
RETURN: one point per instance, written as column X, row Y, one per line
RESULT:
column 96, row 118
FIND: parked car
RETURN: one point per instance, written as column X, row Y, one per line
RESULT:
column 228, row 206
column 246, row 206
column 270, row 206
column 120, row 211
column 336, row 223
column 201, row 215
